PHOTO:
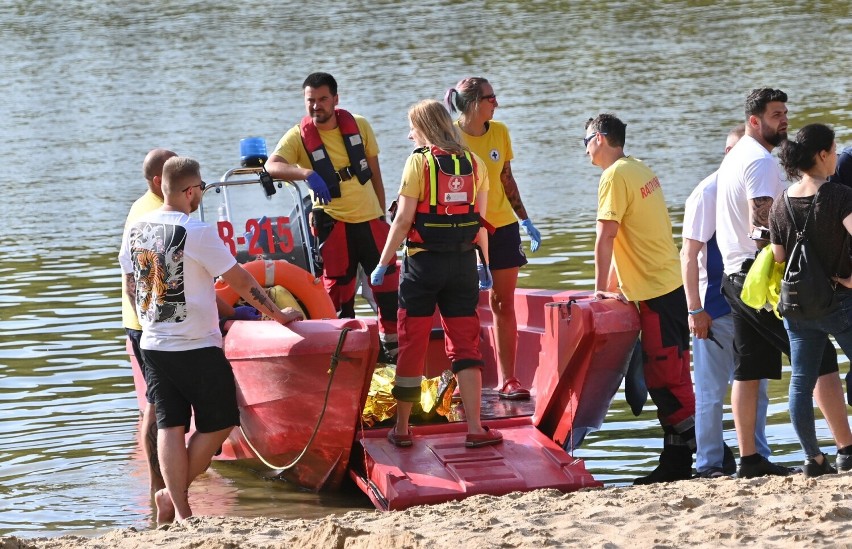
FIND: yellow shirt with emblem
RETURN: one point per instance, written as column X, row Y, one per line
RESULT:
column 494, row 147
column 645, row 255
column 413, row 183
column 357, row 202
column 148, row 202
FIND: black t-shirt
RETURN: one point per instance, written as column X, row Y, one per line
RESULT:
column 826, row 233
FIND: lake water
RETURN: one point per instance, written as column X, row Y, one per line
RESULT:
column 91, row 86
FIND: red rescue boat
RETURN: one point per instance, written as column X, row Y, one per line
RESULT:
column 302, row 388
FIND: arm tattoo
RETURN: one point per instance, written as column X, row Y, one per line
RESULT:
column 760, row 211
column 262, row 299
column 512, row 192
column 130, row 281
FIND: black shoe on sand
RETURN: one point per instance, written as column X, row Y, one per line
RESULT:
column 763, row 467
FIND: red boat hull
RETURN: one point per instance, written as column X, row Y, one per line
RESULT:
column 283, row 388
column 439, row 468
column 573, row 352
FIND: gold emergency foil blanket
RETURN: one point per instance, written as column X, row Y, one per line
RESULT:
column 380, row 403
column 436, row 396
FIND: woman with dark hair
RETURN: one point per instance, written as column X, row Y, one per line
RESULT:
column 827, row 209
column 475, row 101
column 444, row 188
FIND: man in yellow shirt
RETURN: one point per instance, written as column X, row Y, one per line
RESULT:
column 636, row 259
column 152, row 169
column 336, row 153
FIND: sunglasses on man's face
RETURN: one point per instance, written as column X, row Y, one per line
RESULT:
column 201, row 185
column 588, row 138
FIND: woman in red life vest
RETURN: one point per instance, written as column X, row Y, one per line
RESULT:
column 444, row 188
column 475, row 100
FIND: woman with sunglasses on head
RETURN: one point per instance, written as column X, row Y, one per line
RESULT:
column 441, row 181
column 827, row 209
column 475, row 101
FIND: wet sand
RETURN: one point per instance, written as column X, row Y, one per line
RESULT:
column 765, row 512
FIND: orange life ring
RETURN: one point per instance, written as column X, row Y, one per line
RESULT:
column 304, row 287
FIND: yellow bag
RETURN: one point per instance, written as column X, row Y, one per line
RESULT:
column 773, row 291
column 282, row 297
column 763, row 282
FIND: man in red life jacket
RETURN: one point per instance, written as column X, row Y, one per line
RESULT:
column 337, row 154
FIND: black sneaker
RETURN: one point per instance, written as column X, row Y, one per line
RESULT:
column 843, row 462
column 813, row 469
column 762, row 468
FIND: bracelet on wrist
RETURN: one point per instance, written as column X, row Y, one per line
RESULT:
column 696, row 311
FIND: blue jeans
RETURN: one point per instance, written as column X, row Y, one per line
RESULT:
column 807, row 341
column 713, row 373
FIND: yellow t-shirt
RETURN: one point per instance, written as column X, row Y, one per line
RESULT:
column 148, row 202
column 413, row 183
column 645, row 255
column 357, row 202
column 494, row 147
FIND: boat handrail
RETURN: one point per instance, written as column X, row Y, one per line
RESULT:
column 228, row 180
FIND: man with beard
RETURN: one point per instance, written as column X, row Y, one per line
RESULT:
column 748, row 181
column 169, row 261
column 712, row 329
column 337, row 154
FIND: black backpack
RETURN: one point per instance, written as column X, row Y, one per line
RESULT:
column 806, row 290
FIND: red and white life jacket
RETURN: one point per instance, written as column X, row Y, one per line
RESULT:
column 447, row 219
column 320, row 161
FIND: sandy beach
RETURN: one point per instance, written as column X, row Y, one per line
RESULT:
column 767, row 512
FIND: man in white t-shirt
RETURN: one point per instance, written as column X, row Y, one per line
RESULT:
column 713, row 357
column 748, row 181
column 169, row 261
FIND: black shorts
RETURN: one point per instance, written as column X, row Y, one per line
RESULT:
column 135, row 336
column 199, row 382
column 760, row 338
column 446, row 279
column 505, row 250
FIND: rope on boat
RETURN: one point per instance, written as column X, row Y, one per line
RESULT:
column 335, row 359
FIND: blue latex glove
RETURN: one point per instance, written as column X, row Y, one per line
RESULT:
column 485, row 280
column 317, row 184
column 246, row 312
column 533, row 233
column 378, row 275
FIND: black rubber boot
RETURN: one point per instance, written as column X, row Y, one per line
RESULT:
column 675, row 461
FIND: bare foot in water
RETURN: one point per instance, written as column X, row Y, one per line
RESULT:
column 165, row 507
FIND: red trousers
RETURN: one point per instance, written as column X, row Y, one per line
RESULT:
column 343, row 248
column 665, row 344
